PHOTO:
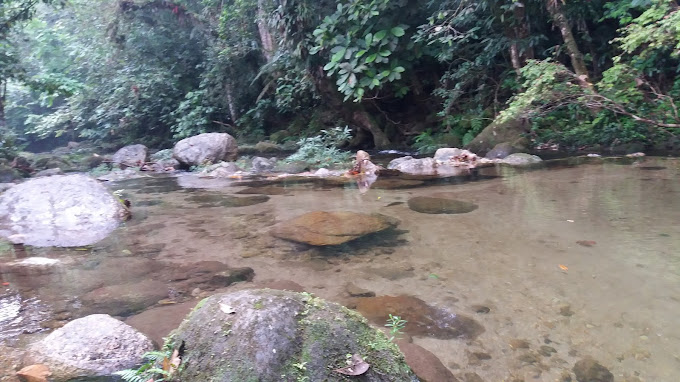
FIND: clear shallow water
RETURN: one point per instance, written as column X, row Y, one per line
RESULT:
column 583, row 259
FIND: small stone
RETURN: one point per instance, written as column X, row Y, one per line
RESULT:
column 529, row 358
column 589, row 370
column 566, row 311
column 195, row 292
column 519, row 344
column 228, row 277
column 34, row 373
column 481, row 309
column 546, row 350
column 356, row 291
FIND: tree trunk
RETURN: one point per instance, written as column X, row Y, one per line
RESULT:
column 230, row 102
column 3, row 97
column 561, row 22
column 265, row 35
column 518, row 32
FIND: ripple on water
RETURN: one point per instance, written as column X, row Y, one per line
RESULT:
column 19, row 315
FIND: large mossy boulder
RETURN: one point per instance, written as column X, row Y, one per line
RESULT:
column 512, row 131
column 205, row 148
column 272, row 335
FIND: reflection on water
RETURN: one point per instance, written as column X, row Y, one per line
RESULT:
column 579, row 259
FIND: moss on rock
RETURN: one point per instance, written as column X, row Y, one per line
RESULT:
column 282, row 336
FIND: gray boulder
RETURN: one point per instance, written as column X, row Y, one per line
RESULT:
column 8, row 174
column 60, row 210
column 133, row 155
column 88, row 348
column 410, row 165
column 270, row 335
column 220, row 170
column 203, row 148
column 263, row 164
column 501, row 151
column 446, row 153
column 521, row 159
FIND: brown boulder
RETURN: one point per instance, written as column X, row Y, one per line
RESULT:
column 331, row 228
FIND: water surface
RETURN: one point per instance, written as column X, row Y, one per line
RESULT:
column 555, row 264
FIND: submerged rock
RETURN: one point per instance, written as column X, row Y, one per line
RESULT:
column 203, row 148
column 124, row 299
column 423, row 319
column 268, row 335
column 431, row 205
column 221, row 200
column 331, row 228
column 89, row 347
column 425, row 364
column 589, row 370
column 61, row 210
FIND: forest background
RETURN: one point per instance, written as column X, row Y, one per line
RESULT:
column 571, row 74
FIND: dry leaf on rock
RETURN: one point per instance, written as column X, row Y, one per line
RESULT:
column 172, row 364
column 358, row 366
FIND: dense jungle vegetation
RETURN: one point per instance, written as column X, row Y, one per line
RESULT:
column 399, row 73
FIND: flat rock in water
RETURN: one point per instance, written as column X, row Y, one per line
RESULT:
column 89, row 347
column 60, row 210
column 432, row 205
column 423, row 319
column 331, row 228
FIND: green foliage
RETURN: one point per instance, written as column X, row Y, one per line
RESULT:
column 396, row 325
column 367, row 47
column 322, row 150
column 148, row 370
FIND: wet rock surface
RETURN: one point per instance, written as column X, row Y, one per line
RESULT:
column 331, row 228
column 432, row 205
column 92, row 346
column 61, row 210
column 261, row 334
column 423, row 319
